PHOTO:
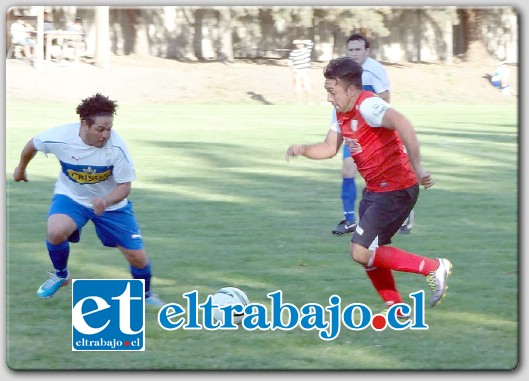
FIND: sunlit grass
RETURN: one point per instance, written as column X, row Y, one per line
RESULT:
column 219, row 206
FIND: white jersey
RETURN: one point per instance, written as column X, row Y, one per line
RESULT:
column 86, row 171
column 374, row 76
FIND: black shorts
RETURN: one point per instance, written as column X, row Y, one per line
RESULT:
column 381, row 215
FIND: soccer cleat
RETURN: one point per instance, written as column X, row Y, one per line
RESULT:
column 50, row 287
column 344, row 227
column 437, row 280
column 407, row 224
column 153, row 300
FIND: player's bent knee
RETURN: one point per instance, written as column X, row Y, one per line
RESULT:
column 348, row 174
column 348, row 168
column 57, row 234
column 136, row 258
column 359, row 254
column 56, row 237
column 358, row 259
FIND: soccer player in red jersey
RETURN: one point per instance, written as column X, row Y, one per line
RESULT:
column 376, row 135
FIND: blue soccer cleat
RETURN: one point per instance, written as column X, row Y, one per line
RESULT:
column 50, row 287
column 153, row 300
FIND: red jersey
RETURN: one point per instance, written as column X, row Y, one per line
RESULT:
column 382, row 161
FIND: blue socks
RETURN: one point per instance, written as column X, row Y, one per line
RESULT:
column 144, row 273
column 59, row 257
column 349, row 198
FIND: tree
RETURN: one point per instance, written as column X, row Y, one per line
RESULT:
column 474, row 44
column 334, row 24
column 443, row 20
column 224, row 43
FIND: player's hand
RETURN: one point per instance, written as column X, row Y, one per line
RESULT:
column 425, row 178
column 294, row 150
column 19, row 175
column 353, row 145
column 100, row 205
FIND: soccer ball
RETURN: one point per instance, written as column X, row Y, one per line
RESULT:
column 228, row 296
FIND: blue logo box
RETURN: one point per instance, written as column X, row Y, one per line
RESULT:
column 108, row 315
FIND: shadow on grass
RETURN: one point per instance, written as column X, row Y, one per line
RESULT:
column 227, row 214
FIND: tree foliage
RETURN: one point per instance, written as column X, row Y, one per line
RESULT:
column 253, row 30
column 348, row 19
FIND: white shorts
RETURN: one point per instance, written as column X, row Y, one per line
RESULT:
column 302, row 80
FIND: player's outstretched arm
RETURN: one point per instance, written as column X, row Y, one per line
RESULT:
column 318, row 151
column 28, row 153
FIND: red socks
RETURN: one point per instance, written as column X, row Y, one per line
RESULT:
column 387, row 258
column 392, row 258
column 384, row 283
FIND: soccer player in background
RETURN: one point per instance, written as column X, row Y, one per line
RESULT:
column 375, row 79
column 94, row 183
column 376, row 135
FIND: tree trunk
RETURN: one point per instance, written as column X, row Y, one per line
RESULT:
column 448, row 36
column 103, row 39
column 225, row 43
column 197, row 36
column 184, row 41
column 475, row 49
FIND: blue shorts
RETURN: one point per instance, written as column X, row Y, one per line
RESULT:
column 346, row 151
column 114, row 227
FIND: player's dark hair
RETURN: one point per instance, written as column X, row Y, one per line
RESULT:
column 358, row 37
column 97, row 105
column 346, row 70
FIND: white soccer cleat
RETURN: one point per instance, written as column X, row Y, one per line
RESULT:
column 437, row 280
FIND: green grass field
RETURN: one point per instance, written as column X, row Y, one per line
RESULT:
column 220, row 206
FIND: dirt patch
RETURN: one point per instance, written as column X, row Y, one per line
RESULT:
column 132, row 79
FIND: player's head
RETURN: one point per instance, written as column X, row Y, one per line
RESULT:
column 346, row 71
column 97, row 117
column 97, row 105
column 358, row 48
column 343, row 82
